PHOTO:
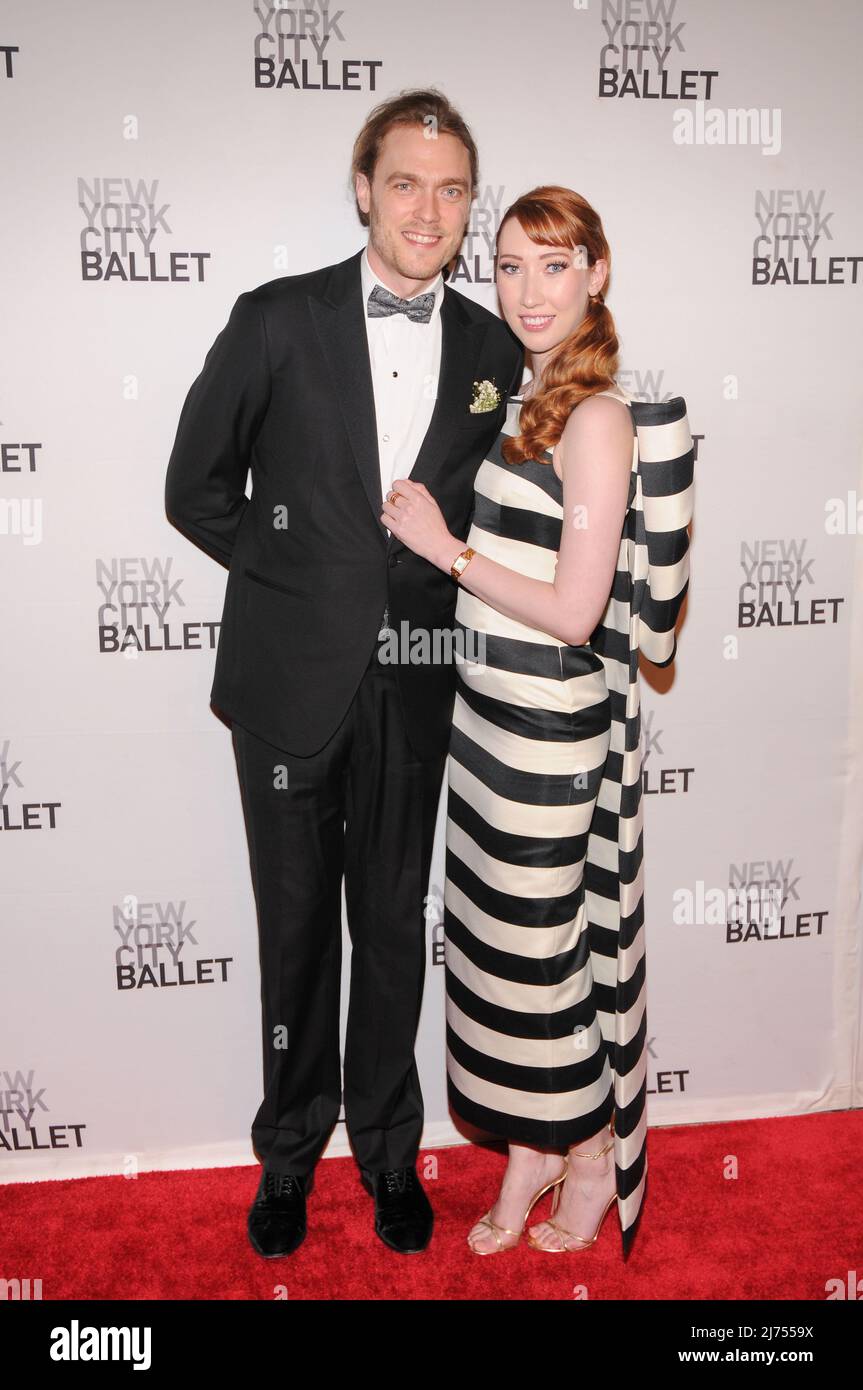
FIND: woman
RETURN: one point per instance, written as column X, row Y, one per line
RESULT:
column 562, row 581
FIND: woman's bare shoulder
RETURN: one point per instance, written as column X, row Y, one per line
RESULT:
column 600, row 415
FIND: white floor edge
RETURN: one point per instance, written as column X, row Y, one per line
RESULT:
column 25, row 1167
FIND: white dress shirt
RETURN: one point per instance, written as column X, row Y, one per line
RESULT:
column 405, row 363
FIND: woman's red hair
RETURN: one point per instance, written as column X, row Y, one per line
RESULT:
column 585, row 362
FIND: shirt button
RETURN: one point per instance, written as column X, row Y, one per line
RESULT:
column 386, row 438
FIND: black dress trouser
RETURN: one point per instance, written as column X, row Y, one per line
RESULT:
column 364, row 807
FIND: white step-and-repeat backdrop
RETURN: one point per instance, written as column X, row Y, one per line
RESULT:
column 159, row 159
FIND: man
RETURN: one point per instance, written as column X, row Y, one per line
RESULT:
column 329, row 385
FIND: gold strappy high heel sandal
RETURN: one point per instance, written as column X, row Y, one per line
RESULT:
column 562, row 1232
column 494, row 1228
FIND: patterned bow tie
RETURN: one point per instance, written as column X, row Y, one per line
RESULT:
column 383, row 302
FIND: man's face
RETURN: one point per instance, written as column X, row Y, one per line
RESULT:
column 418, row 203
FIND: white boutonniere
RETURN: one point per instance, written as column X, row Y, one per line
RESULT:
column 485, row 397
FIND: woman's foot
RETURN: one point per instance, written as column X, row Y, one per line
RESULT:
column 527, row 1171
column 584, row 1197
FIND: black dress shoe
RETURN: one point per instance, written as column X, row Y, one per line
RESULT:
column 403, row 1214
column 277, row 1217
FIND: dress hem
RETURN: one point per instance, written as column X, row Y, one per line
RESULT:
column 520, row 1129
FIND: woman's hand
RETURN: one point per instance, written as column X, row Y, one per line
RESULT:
column 415, row 518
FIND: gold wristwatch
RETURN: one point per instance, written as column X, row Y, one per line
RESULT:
column 461, row 562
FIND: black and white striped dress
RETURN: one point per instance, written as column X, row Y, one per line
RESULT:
column 543, row 910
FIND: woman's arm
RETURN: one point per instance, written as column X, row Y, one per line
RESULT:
column 595, row 456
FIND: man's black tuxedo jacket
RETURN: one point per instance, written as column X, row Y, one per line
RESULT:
column 286, row 390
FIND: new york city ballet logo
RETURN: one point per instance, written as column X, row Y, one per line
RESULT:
column 7, row 60
column 762, row 901
column 641, row 56
column 779, row 588
column 297, row 48
column 794, row 242
column 475, row 262
column 21, row 516
column 26, row 1123
column 18, row 811
column 127, row 234
column 658, row 778
column 157, row 948
column 141, row 610
column 663, row 1080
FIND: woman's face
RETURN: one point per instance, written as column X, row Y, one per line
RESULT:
column 543, row 290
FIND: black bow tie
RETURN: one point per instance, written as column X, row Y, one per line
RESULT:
column 382, row 302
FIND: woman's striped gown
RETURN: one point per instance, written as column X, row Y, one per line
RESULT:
column 543, row 910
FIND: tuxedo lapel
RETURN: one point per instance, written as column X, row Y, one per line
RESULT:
column 461, row 340
column 339, row 319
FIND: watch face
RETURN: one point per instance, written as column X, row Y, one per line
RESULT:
column 460, row 562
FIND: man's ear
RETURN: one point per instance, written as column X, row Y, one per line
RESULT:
column 362, row 190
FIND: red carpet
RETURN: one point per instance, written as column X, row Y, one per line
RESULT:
column 787, row 1224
